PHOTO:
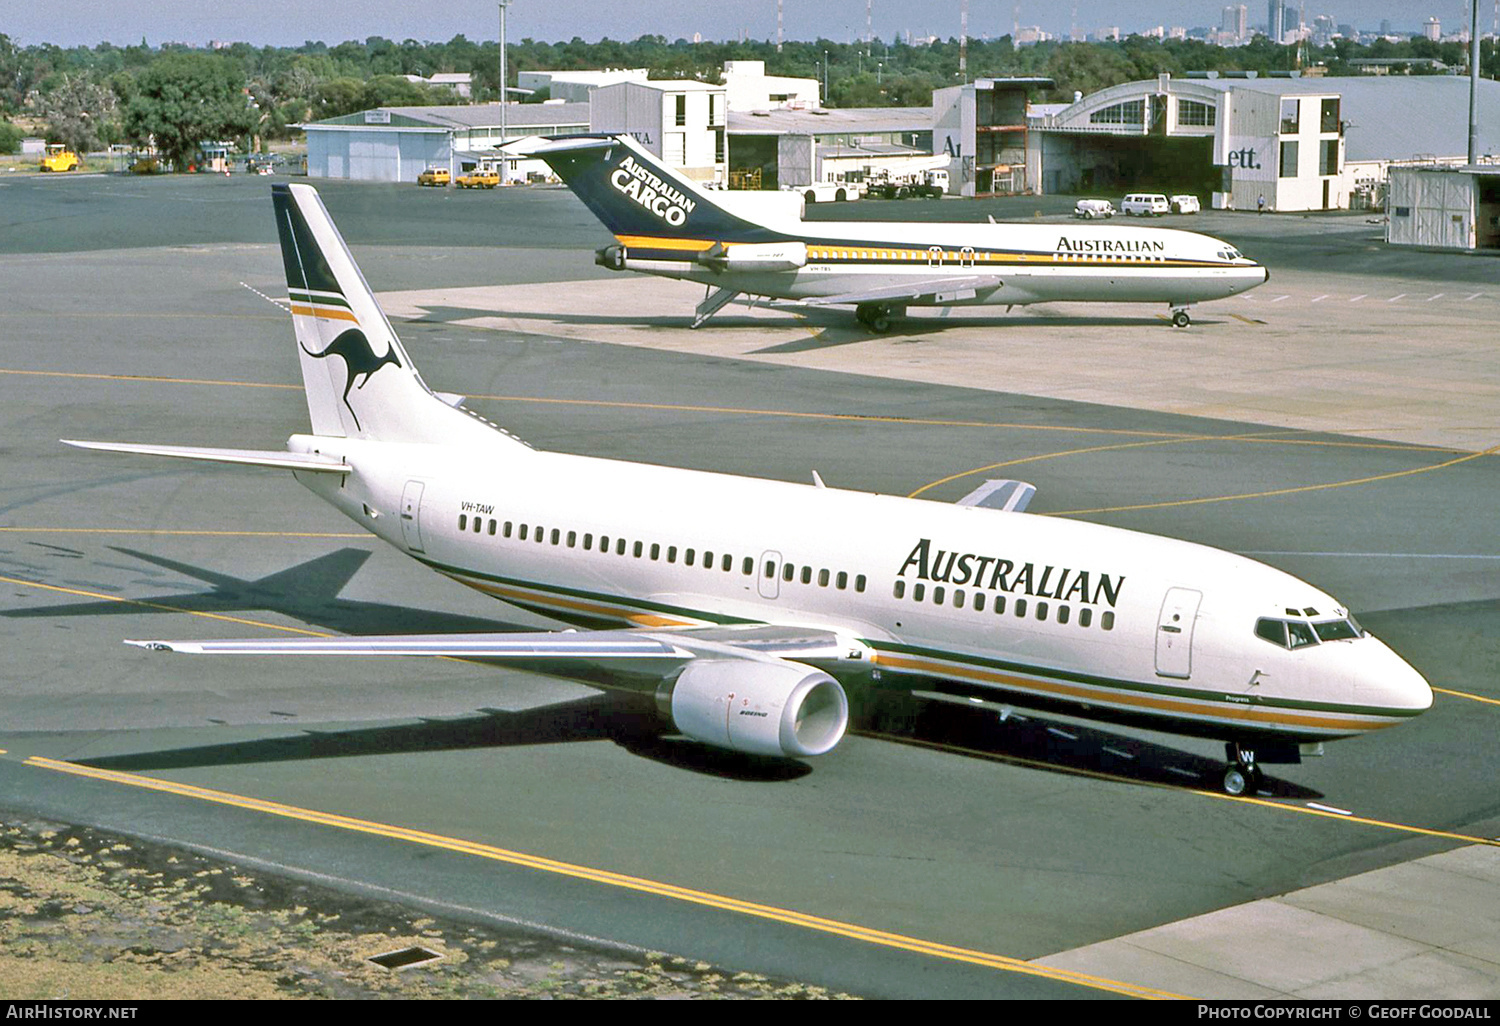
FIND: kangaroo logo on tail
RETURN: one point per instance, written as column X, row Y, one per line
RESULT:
column 359, row 359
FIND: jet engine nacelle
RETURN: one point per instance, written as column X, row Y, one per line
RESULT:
column 612, row 257
column 755, row 256
column 786, row 709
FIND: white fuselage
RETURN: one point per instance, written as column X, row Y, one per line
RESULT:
column 1034, row 263
column 1025, row 608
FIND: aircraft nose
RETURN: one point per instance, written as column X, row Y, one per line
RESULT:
column 1390, row 682
column 1268, row 273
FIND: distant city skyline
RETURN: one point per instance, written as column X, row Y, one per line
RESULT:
column 284, row 23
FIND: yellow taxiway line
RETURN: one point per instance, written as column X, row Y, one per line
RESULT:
column 606, row 877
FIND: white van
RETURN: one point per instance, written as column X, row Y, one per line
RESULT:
column 1093, row 209
column 1185, row 204
column 1145, row 204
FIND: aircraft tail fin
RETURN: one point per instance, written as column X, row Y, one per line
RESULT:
column 639, row 196
column 360, row 382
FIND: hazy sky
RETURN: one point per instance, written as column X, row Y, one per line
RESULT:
column 283, row 22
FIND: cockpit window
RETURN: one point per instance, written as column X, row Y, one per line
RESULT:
column 1273, row 631
column 1338, row 630
column 1299, row 633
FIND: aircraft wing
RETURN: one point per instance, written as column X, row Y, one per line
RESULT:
column 671, row 647
column 940, row 290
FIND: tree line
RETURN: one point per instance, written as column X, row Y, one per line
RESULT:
column 88, row 97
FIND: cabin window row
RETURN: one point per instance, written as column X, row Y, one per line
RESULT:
column 1020, row 608
column 603, row 543
column 789, row 573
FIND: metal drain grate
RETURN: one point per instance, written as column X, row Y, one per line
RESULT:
column 405, row 958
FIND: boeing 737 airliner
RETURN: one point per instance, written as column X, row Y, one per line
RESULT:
column 664, row 224
column 748, row 605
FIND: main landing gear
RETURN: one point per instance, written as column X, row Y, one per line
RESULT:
column 876, row 316
column 1242, row 776
column 1180, row 318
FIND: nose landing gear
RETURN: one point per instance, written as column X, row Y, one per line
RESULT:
column 1242, row 776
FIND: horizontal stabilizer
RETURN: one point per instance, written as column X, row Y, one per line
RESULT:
column 940, row 290
column 1002, row 494
column 248, row 457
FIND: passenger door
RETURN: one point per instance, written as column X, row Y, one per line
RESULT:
column 1174, row 633
column 768, row 574
column 411, row 513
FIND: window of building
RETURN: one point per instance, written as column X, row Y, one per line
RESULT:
column 1288, row 160
column 1328, row 121
column 1191, row 112
column 1290, row 106
column 1131, row 112
column 1328, row 157
column 681, row 110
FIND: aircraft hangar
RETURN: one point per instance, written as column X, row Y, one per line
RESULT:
column 1301, row 142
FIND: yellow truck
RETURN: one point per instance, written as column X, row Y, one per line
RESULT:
column 59, row 158
column 433, row 176
column 479, row 178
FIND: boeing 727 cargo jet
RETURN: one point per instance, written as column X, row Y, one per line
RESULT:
column 664, row 224
column 747, row 606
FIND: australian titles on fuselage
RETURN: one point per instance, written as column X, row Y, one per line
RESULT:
column 752, row 243
column 972, row 569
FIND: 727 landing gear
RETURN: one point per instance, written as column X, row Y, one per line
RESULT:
column 1242, row 775
column 875, row 316
column 1180, row 318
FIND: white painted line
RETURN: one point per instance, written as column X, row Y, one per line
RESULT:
column 1440, row 295
column 1280, row 298
column 1357, row 298
column 1062, row 733
column 1474, row 296
column 1116, row 751
column 1329, row 808
column 1396, row 297
column 1320, row 298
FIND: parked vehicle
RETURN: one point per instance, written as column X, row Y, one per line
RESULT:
column 929, row 184
column 826, row 192
column 479, row 178
column 1185, row 204
column 434, row 176
column 59, row 158
column 1145, row 204
column 1093, row 209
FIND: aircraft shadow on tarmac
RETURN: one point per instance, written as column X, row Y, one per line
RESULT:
column 1060, row 746
column 308, row 592
column 628, row 720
